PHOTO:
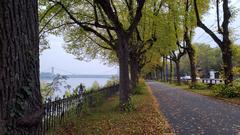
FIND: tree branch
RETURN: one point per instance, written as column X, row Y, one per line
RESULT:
column 226, row 18
column 204, row 27
column 137, row 17
column 107, row 8
column 47, row 12
column 85, row 27
column 218, row 20
column 40, row 31
column 59, row 26
column 98, row 43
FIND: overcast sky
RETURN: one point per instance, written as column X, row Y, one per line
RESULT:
column 65, row 63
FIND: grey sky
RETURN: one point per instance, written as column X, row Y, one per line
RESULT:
column 65, row 63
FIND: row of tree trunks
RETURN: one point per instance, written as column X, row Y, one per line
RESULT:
column 159, row 73
column 20, row 98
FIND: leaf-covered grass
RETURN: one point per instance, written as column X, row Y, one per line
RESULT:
column 208, row 92
column 107, row 120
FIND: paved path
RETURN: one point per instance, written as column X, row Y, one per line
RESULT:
column 193, row 114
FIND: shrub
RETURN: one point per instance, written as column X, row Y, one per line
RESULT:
column 111, row 82
column 236, row 83
column 226, row 91
column 200, row 86
column 95, row 86
column 84, row 106
column 139, row 90
column 96, row 99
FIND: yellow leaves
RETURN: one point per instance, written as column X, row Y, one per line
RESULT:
column 236, row 70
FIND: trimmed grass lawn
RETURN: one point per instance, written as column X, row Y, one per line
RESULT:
column 207, row 92
column 145, row 119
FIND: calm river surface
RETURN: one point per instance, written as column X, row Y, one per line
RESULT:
column 74, row 82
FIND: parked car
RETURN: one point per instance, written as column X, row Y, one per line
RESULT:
column 188, row 78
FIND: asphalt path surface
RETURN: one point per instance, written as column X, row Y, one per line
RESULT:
column 193, row 114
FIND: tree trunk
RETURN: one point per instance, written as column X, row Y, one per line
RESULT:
column 167, row 73
column 163, row 69
column 178, row 72
column 134, row 72
column 124, row 82
column 20, row 98
column 227, row 64
column 191, row 55
column 161, row 74
column 171, row 72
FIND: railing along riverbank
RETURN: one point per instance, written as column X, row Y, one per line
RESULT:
column 207, row 81
column 57, row 112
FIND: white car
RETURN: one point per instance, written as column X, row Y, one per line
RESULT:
column 188, row 78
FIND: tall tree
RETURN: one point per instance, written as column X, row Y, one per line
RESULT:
column 143, row 39
column 123, row 36
column 104, row 20
column 178, row 53
column 188, row 33
column 224, row 43
column 20, row 98
column 176, row 56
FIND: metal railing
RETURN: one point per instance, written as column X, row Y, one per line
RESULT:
column 212, row 81
column 56, row 112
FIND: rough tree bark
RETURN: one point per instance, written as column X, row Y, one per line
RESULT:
column 20, row 98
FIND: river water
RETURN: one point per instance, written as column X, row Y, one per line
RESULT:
column 74, row 82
